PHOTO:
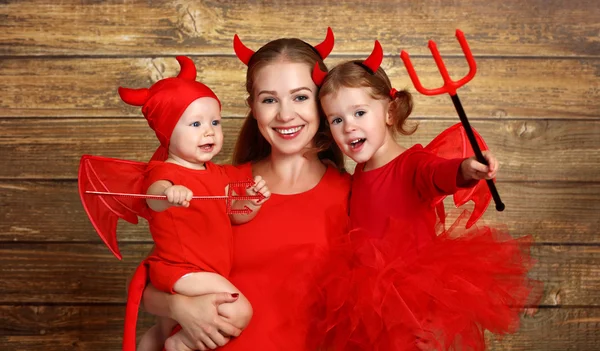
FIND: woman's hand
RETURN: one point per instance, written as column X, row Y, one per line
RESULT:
column 199, row 318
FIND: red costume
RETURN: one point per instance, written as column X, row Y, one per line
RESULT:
column 392, row 280
column 193, row 239
column 274, row 263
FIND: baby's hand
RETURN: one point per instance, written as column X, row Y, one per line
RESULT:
column 473, row 169
column 260, row 186
column 178, row 195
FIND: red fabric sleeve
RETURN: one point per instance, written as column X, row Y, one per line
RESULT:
column 435, row 176
column 158, row 170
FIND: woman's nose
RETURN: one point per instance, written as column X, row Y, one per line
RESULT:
column 286, row 112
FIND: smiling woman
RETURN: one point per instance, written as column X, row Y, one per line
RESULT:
column 285, row 108
column 269, row 70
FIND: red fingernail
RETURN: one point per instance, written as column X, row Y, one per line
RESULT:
column 235, row 295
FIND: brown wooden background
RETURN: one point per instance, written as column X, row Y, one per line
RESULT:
column 535, row 99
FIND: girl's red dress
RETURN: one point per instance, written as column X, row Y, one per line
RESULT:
column 392, row 280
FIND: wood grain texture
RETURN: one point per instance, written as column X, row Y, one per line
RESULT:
column 84, row 273
column 57, row 328
column 551, row 212
column 535, row 88
column 93, row 328
column 511, row 27
column 552, row 150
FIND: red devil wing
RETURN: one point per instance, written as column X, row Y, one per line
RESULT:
column 454, row 143
column 111, row 175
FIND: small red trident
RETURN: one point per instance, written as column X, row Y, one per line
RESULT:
column 450, row 87
column 228, row 198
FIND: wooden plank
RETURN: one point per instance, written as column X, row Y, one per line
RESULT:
column 553, row 329
column 555, row 150
column 511, row 27
column 537, row 88
column 67, row 273
column 553, row 212
column 92, row 328
column 48, row 328
column 80, row 273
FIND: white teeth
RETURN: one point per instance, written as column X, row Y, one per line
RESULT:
column 288, row 130
column 352, row 142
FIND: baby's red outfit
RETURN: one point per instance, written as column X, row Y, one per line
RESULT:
column 193, row 239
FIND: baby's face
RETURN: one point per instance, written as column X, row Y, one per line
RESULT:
column 198, row 135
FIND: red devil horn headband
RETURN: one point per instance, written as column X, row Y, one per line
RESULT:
column 372, row 63
column 318, row 76
column 324, row 49
column 245, row 54
column 138, row 97
column 242, row 51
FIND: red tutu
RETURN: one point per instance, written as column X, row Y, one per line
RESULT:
column 385, row 294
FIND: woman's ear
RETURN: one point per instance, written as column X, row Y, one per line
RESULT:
column 249, row 104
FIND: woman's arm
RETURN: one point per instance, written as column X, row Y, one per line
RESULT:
column 157, row 302
column 197, row 315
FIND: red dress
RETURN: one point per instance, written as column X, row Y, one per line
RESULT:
column 193, row 239
column 273, row 262
column 391, row 280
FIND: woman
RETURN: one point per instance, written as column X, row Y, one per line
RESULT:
column 283, row 140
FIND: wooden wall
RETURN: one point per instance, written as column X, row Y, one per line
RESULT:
column 535, row 99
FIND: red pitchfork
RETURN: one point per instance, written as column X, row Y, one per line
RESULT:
column 228, row 198
column 450, row 87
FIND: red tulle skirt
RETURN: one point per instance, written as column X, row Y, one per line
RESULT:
column 385, row 294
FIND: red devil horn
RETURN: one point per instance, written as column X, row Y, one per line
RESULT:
column 326, row 46
column 317, row 75
column 241, row 50
column 188, row 69
column 135, row 97
column 374, row 60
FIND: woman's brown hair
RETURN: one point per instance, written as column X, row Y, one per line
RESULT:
column 251, row 146
column 353, row 74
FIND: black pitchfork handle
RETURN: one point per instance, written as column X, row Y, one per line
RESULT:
column 478, row 154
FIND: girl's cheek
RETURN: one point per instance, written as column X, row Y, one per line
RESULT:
column 336, row 134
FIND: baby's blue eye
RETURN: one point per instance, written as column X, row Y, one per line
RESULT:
column 336, row 120
column 359, row 113
column 195, row 124
column 216, row 122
